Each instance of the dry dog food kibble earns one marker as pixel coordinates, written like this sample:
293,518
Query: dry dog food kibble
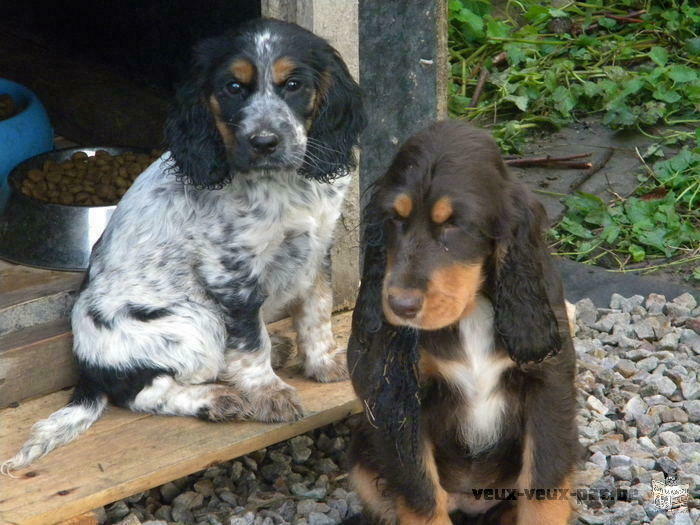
86,181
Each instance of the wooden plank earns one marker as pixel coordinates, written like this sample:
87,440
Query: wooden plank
89,518
103,466
21,284
27,355
442,60
125,453
31,296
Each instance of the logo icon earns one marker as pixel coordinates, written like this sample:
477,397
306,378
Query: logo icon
670,495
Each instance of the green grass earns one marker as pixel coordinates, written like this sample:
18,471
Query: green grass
564,63
631,74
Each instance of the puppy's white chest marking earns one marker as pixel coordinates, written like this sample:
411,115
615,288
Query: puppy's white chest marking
477,376
287,225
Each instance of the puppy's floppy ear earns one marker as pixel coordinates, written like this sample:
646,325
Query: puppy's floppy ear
383,360
190,130
337,121
524,319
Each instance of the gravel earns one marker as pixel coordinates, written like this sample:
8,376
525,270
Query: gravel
639,421
648,379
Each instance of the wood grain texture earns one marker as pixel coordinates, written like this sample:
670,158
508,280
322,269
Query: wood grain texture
442,63
125,453
20,284
36,361
89,518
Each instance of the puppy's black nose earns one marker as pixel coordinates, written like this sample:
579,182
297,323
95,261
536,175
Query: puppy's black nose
264,144
406,305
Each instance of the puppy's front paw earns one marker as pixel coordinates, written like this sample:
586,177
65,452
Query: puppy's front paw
275,404
225,405
332,367
283,350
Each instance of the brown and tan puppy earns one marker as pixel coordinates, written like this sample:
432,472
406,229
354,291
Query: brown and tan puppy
460,349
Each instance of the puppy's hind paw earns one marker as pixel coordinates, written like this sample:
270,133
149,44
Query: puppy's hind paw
333,367
275,405
225,405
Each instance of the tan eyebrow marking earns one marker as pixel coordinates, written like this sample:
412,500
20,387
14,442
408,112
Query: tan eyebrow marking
403,205
282,68
442,210
243,70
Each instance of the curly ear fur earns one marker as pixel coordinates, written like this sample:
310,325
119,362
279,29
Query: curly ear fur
524,319
190,130
383,361
338,122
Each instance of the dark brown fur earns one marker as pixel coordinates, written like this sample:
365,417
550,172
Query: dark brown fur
465,212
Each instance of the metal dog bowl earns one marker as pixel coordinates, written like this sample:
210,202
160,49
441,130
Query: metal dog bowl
48,235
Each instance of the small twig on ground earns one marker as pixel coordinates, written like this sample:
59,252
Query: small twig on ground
584,176
638,268
625,19
551,193
570,165
549,161
629,18
650,171
612,191
630,14
483,75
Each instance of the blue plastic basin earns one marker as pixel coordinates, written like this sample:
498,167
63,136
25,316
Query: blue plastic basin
26,134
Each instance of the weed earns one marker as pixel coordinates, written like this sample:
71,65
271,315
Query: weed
561,63
662,219
633,63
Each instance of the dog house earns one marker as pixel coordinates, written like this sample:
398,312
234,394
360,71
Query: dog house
105,75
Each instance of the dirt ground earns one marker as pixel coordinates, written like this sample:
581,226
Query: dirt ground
618,177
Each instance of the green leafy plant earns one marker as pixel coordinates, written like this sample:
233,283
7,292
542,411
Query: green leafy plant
632,63
548,66
662,220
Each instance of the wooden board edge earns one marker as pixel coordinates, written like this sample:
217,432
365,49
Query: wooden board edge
88,518
235,450
34,335
38,292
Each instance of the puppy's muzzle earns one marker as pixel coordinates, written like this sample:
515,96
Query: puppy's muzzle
405,303
264,142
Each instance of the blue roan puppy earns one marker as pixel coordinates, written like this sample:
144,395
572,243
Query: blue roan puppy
231,226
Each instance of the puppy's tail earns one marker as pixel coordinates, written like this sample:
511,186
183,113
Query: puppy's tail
59,428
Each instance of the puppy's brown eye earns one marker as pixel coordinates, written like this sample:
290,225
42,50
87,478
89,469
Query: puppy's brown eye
234,88
292,85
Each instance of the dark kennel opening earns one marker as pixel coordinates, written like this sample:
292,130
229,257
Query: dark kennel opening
105,70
